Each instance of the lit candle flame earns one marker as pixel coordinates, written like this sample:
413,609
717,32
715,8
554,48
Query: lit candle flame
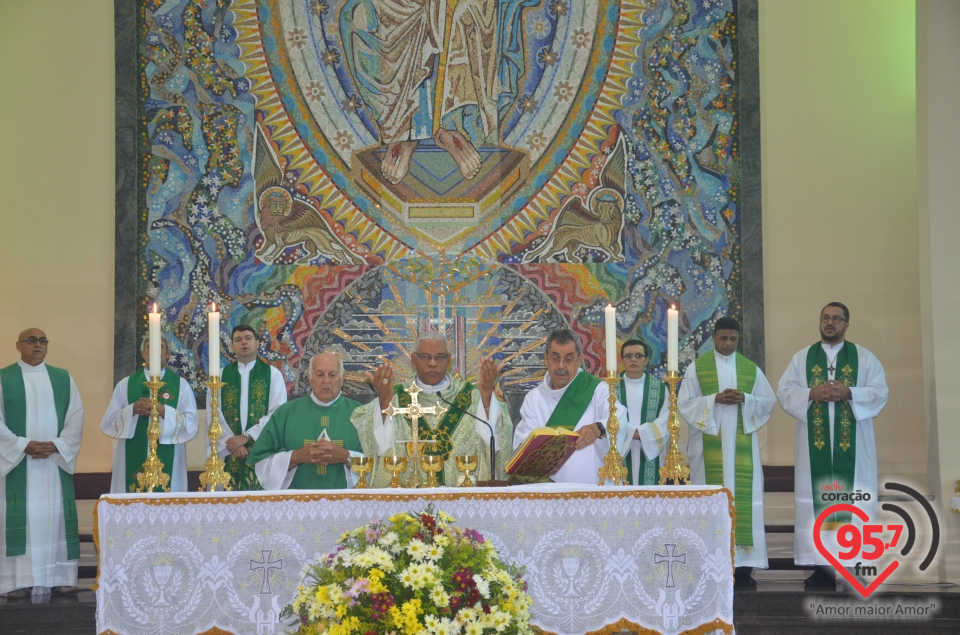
155,308
213,307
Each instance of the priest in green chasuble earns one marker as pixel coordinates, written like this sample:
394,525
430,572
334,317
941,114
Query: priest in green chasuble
570,398
41,422
644,435
834,389
725,399
458,430
307,443
254,390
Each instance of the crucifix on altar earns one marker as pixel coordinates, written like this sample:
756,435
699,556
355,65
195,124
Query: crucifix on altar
414,411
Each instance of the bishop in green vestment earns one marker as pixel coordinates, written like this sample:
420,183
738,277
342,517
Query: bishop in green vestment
308,442
458,429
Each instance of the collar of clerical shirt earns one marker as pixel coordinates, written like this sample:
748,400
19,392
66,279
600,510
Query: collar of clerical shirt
548,383
443,385
245,367
324,403
726,359
27,368
634,383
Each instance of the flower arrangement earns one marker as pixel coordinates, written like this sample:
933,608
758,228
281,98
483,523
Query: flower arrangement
415,575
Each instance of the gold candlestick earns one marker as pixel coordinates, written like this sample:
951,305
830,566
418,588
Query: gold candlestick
674,471
214,476
152,476
613,468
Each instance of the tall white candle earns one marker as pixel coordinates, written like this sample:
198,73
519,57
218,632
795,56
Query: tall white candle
610,317
154,342
214,340
673,340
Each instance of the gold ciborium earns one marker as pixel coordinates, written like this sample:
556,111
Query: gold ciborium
361,465
396,465
467,463
432,464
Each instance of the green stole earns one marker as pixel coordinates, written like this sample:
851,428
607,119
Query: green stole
15,412
574,401
300,422
243,476
838,465
706,366
650,403
138,446
445,427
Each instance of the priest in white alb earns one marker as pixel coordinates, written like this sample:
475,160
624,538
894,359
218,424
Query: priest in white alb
644,435
41,422
128,416
725,399
571,398
466,414
834,388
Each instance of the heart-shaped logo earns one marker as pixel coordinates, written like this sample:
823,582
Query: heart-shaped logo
862,515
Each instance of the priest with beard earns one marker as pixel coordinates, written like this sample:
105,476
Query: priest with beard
458,430
573,399
307,443
41,422
834,389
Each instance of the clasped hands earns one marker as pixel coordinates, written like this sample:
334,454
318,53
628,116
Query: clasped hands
830,391
141,408
236,445
40,449
322,452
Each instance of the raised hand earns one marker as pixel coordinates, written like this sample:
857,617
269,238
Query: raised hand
489,371
382,382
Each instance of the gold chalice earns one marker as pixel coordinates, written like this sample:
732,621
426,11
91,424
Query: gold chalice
396,465
467,463
361,465
432,464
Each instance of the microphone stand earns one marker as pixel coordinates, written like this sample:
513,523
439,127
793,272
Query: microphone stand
493,438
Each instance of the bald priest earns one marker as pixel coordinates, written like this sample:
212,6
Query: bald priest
307,443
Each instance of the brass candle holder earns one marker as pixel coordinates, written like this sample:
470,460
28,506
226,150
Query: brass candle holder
432,465
466,464
396,465
613,468
214,475
415,452
674,471
361,465
152,476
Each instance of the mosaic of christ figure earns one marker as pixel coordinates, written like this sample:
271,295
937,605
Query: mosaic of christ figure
446,70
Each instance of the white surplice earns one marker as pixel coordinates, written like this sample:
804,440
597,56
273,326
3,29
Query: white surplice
654,435
704,416
177,426
275,472
536,410
45,563
276,398
867,400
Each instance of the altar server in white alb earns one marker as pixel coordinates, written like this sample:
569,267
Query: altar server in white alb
128,416
725,399
41,422
834,388
570,398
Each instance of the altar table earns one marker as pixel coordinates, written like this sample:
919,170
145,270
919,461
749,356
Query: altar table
598,559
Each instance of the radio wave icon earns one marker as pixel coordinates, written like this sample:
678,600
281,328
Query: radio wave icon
911,527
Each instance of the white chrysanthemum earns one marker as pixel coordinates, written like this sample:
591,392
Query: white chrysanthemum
389,538
431,622
439,596
417,549
442,540
434,552
482,585
407,576
472,628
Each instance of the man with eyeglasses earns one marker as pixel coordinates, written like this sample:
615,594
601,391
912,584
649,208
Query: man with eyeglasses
459,430
128,416
644,432
725,399
568,397
41,422
834,388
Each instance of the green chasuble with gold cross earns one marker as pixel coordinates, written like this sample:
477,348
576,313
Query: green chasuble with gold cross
301,422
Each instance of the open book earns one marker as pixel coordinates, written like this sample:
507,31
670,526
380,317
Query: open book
543,453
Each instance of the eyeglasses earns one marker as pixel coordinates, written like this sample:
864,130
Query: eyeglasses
33,341
836,319
634,356
427,357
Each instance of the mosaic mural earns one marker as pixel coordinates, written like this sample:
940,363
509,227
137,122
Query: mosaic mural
346,173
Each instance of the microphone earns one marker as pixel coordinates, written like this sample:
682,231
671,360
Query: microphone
493,437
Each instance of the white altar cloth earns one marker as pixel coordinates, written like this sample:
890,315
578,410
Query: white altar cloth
596,558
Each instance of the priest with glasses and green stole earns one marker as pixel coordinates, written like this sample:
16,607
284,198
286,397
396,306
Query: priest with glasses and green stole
254,390
644,434
307,443
459,429
725,399
834,389
571,398
128,416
